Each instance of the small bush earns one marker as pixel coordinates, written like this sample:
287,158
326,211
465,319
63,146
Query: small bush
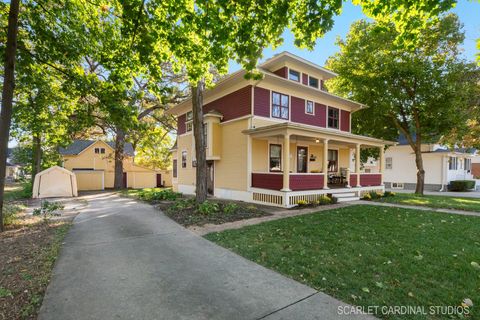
230,208
302,203
182,204
48,209
153,194
367,196
208,208
9,213
462,185
388,194
325,200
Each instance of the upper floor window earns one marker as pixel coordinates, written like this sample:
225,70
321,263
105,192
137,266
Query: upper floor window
452,163
184,159
388,163
333,117
100,150
313,82
294,75
280,105
188,121
310,107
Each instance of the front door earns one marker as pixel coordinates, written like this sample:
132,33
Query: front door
210,176
302,158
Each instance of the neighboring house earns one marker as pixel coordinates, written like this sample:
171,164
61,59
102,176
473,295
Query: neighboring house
93,164
441,166
13,172
257,128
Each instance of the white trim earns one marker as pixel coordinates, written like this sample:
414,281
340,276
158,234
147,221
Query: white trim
281,157
237,119
306,103
233,194
186,189
289,106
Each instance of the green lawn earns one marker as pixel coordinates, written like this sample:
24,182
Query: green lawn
370,255
446,202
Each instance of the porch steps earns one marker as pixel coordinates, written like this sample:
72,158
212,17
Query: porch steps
345,197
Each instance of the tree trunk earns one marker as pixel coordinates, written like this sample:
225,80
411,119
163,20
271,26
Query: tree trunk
7,95
198,132
420,172
119,149
37,155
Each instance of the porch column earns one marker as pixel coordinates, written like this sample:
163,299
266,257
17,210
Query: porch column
382,164
325,164
286,162
357,163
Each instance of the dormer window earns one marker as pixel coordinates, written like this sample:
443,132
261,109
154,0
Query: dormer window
294,75
313,82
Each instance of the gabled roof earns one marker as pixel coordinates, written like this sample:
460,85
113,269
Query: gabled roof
77,146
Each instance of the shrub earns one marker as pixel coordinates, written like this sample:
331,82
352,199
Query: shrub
302,203
367,196
9,213
48,209
208,208
325,200
230,208
388,194
462,185
153,194
182,204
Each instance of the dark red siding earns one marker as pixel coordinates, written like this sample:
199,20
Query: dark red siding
281,72
305,79
345,120
261,102
233,105
370,179
299,115
306,182
353,180
181,124
267,181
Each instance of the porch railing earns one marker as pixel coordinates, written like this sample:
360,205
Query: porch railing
298,181
366,179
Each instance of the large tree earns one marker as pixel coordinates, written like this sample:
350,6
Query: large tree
201,36
421,93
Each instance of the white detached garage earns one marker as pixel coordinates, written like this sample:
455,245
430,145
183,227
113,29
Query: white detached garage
54,182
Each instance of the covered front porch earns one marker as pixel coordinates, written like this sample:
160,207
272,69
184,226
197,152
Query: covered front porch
298,162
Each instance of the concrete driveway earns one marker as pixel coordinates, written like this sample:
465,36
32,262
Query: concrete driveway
122,259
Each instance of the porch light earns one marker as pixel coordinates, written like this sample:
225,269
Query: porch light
317,140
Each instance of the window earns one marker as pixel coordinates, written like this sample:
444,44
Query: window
310,107
188,121
97,150
468,164
452,163
294,75
175,168
313,82
333,116
100,150
184,159
332,160
397,185
279,105
388,163
275,157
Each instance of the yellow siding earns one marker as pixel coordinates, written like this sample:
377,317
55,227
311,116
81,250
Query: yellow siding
231,170
140,180
89,180
259,155
317,151
343,158
186,176
109,179
216,140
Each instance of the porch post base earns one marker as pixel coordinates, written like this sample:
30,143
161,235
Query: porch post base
285,190
359,186
326,188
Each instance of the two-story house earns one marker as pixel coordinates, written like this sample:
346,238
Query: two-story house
277,140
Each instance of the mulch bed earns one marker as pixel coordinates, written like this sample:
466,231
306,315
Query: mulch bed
191,217
28,250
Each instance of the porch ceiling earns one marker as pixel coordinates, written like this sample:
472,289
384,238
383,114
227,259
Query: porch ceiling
311,133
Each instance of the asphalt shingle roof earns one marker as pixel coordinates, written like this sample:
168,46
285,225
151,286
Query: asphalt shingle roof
78,146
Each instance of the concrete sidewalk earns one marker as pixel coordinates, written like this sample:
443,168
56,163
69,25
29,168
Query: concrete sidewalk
123,259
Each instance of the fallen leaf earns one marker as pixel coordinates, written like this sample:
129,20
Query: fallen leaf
365,289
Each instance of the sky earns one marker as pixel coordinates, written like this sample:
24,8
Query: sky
467,10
